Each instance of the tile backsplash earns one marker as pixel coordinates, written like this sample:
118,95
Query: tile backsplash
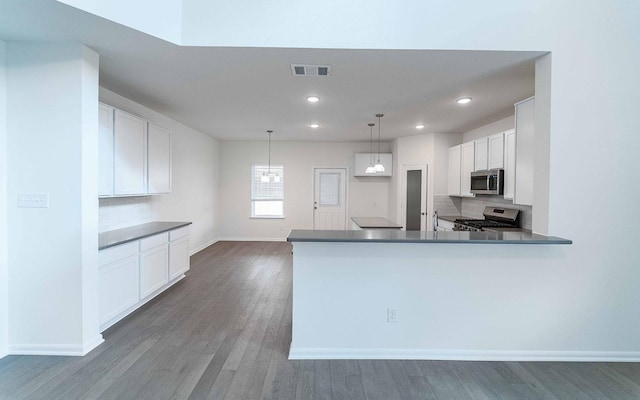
120,212
446,205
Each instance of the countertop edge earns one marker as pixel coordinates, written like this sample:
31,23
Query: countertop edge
142,236
559,241
400,237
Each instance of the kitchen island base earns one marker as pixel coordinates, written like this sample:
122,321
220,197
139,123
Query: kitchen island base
449,301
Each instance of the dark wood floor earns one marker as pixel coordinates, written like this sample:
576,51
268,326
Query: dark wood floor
224,333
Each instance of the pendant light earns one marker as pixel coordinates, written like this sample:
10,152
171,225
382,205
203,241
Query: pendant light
266,176
371,169
379,167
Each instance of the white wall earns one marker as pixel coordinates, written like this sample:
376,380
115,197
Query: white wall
368,196
442,142
194,191
541,171
4,284
52,95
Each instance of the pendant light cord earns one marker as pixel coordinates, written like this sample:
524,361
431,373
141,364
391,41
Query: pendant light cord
371,157
269,132
379,116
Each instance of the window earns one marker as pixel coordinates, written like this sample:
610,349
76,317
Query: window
267,191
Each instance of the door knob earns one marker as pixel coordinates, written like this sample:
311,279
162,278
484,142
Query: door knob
315,208
423,213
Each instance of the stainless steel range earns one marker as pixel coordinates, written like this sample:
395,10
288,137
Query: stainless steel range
495,219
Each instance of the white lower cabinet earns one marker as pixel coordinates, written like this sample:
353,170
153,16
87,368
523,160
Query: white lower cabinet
119,280
445,225
178,252
133,273
154,263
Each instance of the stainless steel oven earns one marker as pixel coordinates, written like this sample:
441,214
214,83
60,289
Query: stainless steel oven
490,181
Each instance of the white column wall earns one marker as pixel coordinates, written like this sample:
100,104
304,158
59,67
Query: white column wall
4,284
52,95
195,165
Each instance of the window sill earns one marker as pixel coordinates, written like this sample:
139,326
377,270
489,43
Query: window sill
267,217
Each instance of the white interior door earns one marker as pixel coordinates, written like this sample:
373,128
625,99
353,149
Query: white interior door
329,198
413,203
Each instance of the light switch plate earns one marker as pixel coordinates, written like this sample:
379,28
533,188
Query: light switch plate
33,200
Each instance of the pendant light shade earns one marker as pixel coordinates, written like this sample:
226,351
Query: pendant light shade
371,169
379,167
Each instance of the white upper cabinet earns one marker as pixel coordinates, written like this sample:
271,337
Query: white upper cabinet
105,156
461,165
159,160
454,171
495,151
509,164
134,155
130,154
467,163
525,133
481,154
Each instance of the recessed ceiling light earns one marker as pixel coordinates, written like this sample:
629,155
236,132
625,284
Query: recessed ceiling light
419,126
314,126
313,99
464,100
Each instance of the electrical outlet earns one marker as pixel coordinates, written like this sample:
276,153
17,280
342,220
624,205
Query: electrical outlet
392,315
33,200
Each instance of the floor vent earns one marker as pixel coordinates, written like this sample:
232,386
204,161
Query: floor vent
310,70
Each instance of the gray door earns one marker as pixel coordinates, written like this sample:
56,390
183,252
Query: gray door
413,201
413,215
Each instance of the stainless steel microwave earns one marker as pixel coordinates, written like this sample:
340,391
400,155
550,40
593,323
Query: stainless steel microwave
490,181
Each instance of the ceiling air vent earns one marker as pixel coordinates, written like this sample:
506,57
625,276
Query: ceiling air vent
310,70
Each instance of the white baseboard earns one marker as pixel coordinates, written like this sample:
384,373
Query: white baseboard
204,246
461,355
56,349
249,239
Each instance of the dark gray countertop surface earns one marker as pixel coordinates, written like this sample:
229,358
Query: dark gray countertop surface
120,236
398,236
375,222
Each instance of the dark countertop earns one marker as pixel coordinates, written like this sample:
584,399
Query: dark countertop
398,236
120,236
375,222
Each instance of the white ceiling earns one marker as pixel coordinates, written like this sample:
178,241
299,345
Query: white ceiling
239,93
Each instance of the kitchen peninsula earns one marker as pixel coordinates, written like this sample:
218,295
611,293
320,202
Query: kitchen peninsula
389,294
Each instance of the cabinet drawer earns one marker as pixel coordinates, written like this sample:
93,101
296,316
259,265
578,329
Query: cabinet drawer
153,241
179,233
107,256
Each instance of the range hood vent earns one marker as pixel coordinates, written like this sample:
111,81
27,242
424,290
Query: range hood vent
310,70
